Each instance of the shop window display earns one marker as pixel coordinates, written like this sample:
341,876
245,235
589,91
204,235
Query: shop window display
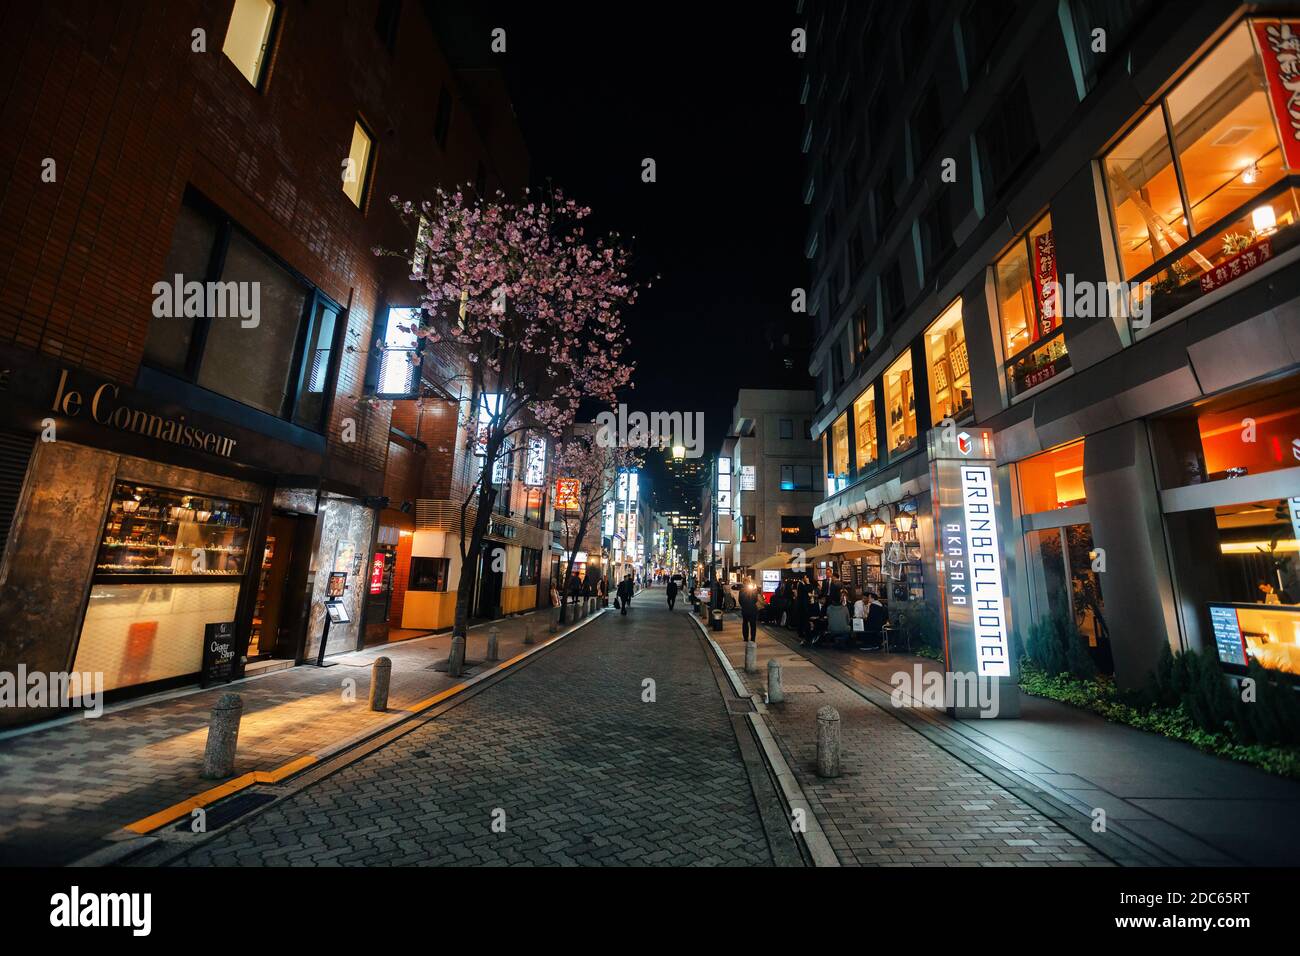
900,406
1032,339
945,353
155,531
840,451
1062,582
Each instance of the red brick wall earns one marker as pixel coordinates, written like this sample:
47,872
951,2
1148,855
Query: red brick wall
113,93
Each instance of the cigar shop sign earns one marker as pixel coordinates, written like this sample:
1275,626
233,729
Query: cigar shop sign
969,559
104,403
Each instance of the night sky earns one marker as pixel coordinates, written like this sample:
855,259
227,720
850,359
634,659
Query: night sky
712,96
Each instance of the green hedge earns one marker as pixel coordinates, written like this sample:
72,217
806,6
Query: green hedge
1182,702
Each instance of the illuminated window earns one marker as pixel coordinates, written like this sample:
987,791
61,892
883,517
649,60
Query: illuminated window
356,171
945,353
840,449
1030,314
248,37
900,406
864,429
398,361
1053,479
1183,183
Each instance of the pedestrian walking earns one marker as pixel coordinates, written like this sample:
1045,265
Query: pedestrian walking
749,600
625,590
672,594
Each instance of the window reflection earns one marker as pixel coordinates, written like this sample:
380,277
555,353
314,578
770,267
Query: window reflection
900,406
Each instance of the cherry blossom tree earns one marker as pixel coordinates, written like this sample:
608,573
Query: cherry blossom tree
535,308
595,466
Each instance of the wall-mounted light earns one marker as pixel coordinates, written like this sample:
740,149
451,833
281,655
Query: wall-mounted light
1250,174
880,525
906,516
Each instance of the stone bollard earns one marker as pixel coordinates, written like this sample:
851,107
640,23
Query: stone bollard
223,735
555,620
751,657
380,672
828,742
775,691
456,656
528,632
492,652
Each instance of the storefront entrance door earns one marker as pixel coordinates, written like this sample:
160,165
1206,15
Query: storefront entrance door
491,577
279,604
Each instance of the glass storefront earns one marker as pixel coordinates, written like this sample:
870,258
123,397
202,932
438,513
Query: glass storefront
169,564
840,453
864,428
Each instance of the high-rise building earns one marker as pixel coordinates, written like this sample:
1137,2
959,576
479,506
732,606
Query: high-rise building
1071,225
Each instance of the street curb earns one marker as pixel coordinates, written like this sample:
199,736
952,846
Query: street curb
126,842
814,839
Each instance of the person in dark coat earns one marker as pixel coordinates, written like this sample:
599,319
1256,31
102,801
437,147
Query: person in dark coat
749,600
803,596
625,590
672,594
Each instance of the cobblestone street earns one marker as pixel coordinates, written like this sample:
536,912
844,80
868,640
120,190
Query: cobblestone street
564,755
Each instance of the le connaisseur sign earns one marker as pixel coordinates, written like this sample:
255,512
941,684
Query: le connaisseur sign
104,404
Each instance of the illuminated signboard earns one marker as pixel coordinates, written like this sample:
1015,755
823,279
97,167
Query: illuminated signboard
535,469
489,405
568,491
377,575
968,558
501,467
748,479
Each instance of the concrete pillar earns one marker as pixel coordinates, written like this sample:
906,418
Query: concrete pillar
223,736
493,652
751,657
1137,586
775,690
380,672
828,742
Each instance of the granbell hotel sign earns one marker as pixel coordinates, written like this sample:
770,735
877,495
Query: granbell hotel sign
969,559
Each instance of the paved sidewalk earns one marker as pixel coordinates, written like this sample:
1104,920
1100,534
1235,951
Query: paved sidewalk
901,799
65,786
565,755
1187,807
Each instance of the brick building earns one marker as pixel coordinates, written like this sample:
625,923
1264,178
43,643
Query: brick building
209,451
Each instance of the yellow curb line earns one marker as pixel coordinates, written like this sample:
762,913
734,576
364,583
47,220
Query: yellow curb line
176,811
244,781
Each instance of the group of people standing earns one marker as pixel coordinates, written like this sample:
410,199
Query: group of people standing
817,609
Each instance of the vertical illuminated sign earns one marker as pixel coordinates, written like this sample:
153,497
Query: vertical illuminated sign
535,469
969,559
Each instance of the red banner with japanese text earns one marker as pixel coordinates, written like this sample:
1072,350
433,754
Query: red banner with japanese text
1279,49
1045,286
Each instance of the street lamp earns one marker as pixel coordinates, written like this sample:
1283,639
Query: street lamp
906,516
878,524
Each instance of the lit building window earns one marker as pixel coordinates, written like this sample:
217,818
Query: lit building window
840,449
864,429
900,406
1199,181
1053,479
399,359
945,352
1029,309
248,37
356,170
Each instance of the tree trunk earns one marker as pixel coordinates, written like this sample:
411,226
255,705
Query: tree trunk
468,572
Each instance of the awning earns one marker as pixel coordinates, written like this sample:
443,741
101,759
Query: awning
839,547
774,562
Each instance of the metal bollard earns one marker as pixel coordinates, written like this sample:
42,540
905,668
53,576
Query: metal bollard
775,690
828,742
528,632
492,653
751,657
380,672
223,736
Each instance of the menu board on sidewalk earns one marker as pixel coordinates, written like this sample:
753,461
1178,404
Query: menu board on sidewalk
218,654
